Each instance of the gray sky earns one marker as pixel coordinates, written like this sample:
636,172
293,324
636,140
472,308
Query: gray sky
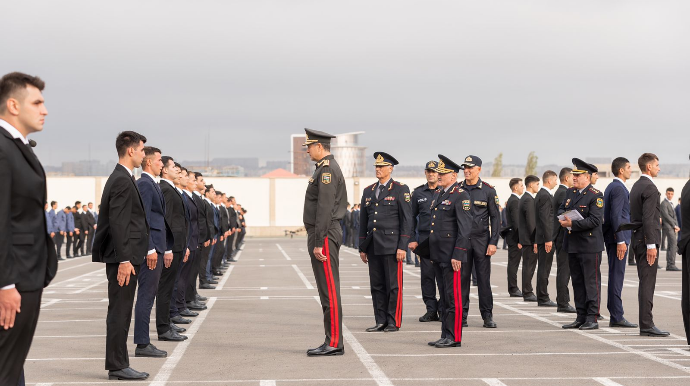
564,78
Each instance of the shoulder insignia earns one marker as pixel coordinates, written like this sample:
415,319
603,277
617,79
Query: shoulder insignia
370,186
460,190
399,183
600,202
496,198
488,184
326,162
326,178
594,190
407,197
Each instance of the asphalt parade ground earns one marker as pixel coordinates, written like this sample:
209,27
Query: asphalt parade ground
265,314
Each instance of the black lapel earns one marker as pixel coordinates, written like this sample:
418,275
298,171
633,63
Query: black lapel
30,156
385,192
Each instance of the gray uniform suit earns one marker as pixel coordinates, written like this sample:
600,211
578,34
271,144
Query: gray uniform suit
668,225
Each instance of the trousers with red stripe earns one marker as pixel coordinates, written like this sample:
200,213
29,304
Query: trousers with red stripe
327,275
450,304
385,279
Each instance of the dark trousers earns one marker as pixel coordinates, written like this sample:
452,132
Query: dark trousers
514,257
218,253
120,302
185,275
450,288
327,275
583,269
645,291
68,245
58,240
194,273
545,261
16,342
166,284
229,246
529,265
477,259
685,295
356,239
89,240
562,274
631,255
672,244
240,237
203,261
79,243
385,278
148,289
614,302
428,282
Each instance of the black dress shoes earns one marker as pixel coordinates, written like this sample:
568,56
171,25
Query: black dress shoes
390,328
489,322
590,326
201,298
530,298
376,328
567,309
464,323
432,344
150,351
214,281
180,320
327,350
171,336
311,350
631,263
653,332
547,304
575,324
599,317
206,286
196,306
429,317
517,294
445,343
673,268
176,328
218,273
659,267
128,374
188,313
61,258
622,323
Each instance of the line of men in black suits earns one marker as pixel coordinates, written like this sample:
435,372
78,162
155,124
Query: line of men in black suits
159,235
350,226
73,226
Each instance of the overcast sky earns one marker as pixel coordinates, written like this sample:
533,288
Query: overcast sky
563,78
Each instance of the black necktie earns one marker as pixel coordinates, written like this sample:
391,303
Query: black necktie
134,179
378,192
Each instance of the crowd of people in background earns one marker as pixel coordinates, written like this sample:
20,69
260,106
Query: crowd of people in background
72,226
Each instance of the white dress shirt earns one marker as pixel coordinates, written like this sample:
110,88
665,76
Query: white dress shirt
13,131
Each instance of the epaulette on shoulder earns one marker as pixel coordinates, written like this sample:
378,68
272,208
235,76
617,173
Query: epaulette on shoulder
420,186
325,162
399,183
371,186
488,184
591,188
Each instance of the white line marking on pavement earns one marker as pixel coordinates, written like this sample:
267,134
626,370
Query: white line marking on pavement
301,276
91,286
225,279
493,382
78,277
374,370
267,383
51,302
171,362
44,384
75,266
510,354
680,351
283,252
607,382
350,252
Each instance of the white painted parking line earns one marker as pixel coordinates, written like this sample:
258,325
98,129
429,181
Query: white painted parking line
267,383
507,354
680,351
225,278
607,382
302,277
91,286
283,252
493,382
48,303
52,285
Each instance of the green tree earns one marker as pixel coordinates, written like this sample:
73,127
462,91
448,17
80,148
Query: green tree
531,167
498,166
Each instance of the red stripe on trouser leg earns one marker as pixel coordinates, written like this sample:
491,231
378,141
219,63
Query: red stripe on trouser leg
457,294
398,308
326,272
335,317
596,280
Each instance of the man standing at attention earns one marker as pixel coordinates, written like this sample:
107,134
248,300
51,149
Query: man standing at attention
324,206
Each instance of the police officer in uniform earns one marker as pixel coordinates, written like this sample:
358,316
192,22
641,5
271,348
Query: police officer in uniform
387,214
484,237
324,206
421,222
584,242
448,244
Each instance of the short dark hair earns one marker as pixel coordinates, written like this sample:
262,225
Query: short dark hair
68,207
667,189
564,173
645,159
210,186
53,203
531,179
127,139
219,193
618,164
150,150
197,175
513,182
326,146
77,203
14,83
231,198
184,169
548,174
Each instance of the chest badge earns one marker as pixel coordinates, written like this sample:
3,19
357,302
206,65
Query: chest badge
466,204
407,197
326,178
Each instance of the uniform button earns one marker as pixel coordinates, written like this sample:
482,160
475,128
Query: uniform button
432,223
376,212
432,231
374,220
377,204
374,229
435,208
434,216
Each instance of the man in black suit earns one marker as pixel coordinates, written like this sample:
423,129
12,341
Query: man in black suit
176,217
121,243
545,236
28,259
527,228
512,211
645,214
79,230
197,187
684,250
90,225
232,221
562,266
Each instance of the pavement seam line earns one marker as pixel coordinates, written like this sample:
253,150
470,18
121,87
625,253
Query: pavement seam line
606,382
493,382
171,362
301,276
283,252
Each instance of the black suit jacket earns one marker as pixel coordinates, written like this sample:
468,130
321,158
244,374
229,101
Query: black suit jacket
645,208
89,220
123,232
543,205
513,220
527,221
210,223
175,216
79,222
204,234
558,230
27,255
684,236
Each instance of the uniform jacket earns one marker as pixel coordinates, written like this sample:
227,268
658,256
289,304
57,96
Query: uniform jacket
616,212
485,213
587,235
421,211
684,234
78,222
53,220
451,225
89,219
193,216
543,206
513,220
61,221
325,201
668,215
27,255
645,210
388,219
123,231
527,220
679,218
175,215
204,233
160,236
50,223
558,230
70,221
